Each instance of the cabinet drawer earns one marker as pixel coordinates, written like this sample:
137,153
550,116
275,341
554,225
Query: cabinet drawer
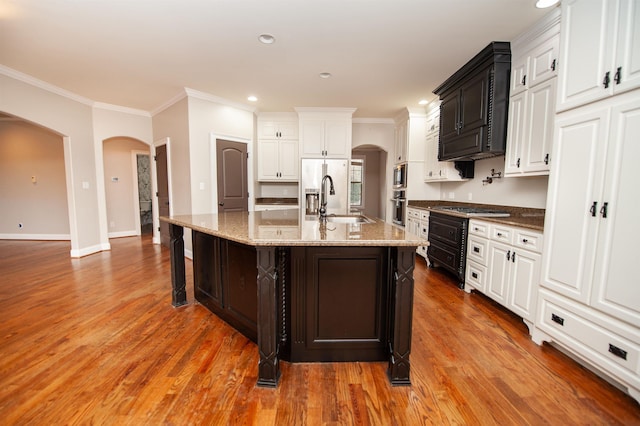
600,343
446,255
476,276
413,213
424,229
502,234
480,229
477,249
424,215
528,240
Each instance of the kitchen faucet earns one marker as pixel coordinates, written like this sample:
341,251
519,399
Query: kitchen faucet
323,196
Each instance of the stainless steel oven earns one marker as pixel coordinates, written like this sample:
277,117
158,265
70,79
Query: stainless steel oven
400,176
399,206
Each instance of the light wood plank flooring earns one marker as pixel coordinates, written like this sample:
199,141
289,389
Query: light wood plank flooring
96,341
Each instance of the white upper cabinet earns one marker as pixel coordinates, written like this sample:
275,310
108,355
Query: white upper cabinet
410,134
600,54
278,158
325,133
533,99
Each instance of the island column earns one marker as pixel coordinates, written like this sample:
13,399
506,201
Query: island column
402,315
268,366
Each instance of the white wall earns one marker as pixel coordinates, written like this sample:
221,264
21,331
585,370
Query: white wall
28,151
519,192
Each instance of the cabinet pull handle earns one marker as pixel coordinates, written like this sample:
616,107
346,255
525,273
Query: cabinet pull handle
518,163
476,249
513,257
620,353
509,255
546,159
618,76
553,65
525,241
606,80
474,275
557,319
593,209
603,210
524,80
499,234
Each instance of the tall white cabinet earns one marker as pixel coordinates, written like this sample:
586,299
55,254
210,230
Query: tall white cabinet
278,159
434,170
532,100
589,302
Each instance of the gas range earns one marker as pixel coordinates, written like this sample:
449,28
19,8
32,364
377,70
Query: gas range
473,211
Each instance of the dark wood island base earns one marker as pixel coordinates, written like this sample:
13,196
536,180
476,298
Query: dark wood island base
305,303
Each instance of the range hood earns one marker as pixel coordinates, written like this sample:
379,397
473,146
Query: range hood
474,107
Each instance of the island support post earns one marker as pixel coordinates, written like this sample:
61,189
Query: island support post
178,276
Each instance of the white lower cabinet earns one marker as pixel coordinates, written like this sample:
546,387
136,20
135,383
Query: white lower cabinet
417,223
504,263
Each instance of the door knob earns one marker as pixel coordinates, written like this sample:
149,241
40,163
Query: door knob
221,204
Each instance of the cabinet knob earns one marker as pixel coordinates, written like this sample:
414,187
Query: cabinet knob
524,240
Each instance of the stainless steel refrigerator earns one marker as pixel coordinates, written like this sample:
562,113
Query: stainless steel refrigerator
311,173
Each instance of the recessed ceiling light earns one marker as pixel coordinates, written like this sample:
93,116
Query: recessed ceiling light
266,38
325,74
541,4
423,102
252,98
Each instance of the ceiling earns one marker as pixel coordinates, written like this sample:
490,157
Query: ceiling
383,54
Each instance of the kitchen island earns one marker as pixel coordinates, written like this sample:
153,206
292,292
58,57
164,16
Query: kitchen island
303,290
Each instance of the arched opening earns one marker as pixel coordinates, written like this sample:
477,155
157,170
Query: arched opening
128,187
33,183
369,165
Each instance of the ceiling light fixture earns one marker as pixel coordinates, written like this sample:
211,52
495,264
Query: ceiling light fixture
252,98
541,4
266,39
325,74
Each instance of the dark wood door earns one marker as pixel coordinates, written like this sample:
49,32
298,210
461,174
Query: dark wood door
232,176
163,191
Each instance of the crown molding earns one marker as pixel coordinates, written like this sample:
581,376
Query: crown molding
123,109
359,120
218,100
25,78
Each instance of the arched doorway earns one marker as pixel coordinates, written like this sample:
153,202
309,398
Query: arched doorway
371,162
127,182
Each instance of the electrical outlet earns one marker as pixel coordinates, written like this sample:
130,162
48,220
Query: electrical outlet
469,196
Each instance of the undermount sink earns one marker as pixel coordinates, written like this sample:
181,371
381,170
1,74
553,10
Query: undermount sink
348,219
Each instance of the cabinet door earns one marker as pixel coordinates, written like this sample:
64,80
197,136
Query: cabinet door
543,62
519,71
575,184
498,265
538,137
473,102
288,130
312,138
337,135
515,133
431,170
616,288
268,167
524,280
628,51
449,116
288,160
586,51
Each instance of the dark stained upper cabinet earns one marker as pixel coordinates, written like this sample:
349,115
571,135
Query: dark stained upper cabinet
473,111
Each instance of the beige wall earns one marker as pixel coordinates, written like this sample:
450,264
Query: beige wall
27,150
120,181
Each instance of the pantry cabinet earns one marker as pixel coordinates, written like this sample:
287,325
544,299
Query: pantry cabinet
533,99
599,52
591,303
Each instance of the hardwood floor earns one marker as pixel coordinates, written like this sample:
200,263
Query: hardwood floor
96,341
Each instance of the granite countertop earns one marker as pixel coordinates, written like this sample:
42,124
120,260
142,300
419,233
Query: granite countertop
291,228
520,216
